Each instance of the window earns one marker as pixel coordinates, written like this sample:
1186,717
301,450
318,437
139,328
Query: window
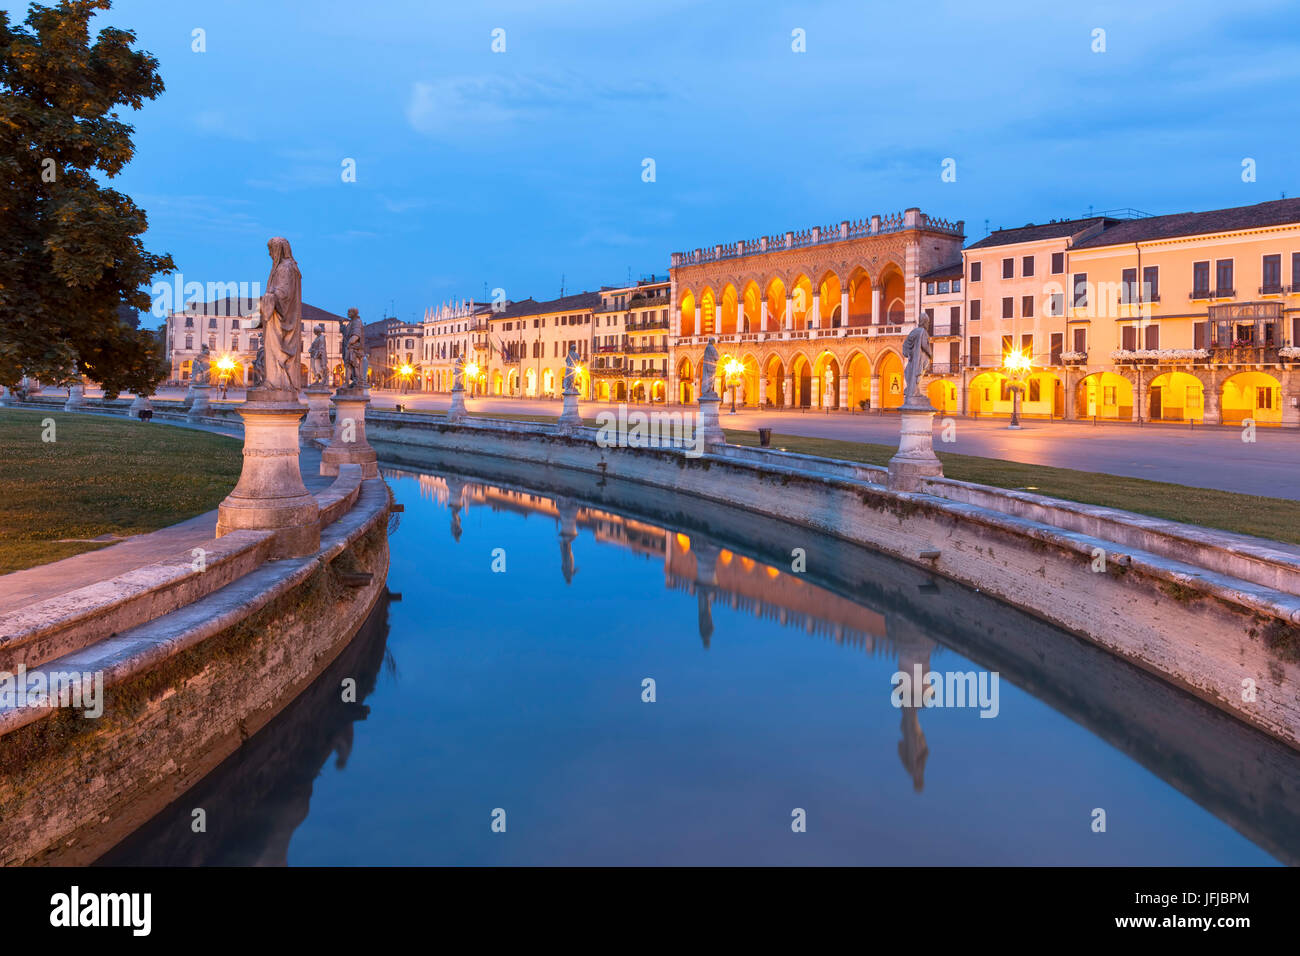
1263,397
929,288
1108,395
1008,268
1027,343
974,272
1152,337
1272,274
1201,280
975,350
1058,263
212,323
1151,284
189,320
1056,304
954,319
234,323
956,285
1008,346
1080,290
943,288
1027,306
1008,306
1027,266
974,310
189,341
1129,336
1081,340
1057,346
1128,287
1035,390
1295,274
1223,278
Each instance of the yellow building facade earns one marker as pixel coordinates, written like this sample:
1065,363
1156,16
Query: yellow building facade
816,318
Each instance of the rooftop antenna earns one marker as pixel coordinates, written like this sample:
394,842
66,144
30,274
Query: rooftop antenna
1089,209
986,227
561,285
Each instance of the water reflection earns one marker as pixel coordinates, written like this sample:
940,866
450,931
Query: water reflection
514,701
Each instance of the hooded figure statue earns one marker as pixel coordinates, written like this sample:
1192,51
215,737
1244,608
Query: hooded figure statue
280,315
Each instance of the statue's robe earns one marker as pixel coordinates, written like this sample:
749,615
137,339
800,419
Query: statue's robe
281,310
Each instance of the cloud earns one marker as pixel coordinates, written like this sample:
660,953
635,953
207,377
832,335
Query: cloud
486,103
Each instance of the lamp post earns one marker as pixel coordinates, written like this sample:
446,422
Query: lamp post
1016,366
225,365
405,371
471,375
734,369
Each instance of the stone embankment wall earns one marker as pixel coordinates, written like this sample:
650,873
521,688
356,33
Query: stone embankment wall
192,667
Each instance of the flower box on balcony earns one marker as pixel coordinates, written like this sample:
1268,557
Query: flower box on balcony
1074,358
1154,356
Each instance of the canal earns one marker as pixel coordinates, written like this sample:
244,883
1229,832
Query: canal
502,711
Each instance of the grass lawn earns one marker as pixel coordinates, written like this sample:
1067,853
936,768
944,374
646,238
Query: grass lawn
1274,518
101,476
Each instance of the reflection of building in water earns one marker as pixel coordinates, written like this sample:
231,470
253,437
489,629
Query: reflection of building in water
717,575
744,584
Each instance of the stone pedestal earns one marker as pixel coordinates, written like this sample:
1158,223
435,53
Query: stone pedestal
915,459
569,419
189,396
708,421
316,426
270,495
348,445
201,405
141,404
457,411
76,398
6,396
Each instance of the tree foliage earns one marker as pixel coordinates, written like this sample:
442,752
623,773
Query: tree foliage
70,247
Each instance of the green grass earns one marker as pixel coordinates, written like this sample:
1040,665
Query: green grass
1275,518
101,476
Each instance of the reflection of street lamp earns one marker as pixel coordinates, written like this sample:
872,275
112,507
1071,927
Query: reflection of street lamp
733,370
1017,366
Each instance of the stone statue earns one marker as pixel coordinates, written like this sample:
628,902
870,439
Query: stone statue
258,375
709,370
319,360
916,357
458,374
355,363
201,370
570,370
280,315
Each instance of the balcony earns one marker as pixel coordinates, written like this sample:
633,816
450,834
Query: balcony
646,349
653,325
1274,289
947,331
946,368
1200,294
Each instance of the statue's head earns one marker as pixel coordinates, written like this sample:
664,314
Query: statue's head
320,326
353,314
278,246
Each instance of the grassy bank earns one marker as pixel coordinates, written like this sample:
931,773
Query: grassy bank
101,476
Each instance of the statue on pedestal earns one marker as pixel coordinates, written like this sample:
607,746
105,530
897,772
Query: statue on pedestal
570,370
280,315
917,355
258,375
709,370
355,363
458,374
319,360
201,369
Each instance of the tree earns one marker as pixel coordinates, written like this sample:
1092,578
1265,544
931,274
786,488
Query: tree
70,248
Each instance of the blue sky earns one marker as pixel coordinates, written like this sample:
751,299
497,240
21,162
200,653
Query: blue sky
516,169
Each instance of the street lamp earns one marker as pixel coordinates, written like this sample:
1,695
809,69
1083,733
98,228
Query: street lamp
1017,365
733,370
405,371
225,365
471,372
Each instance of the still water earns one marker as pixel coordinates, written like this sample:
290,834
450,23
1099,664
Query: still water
521,689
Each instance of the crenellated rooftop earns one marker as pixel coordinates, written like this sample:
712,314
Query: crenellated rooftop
911,218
